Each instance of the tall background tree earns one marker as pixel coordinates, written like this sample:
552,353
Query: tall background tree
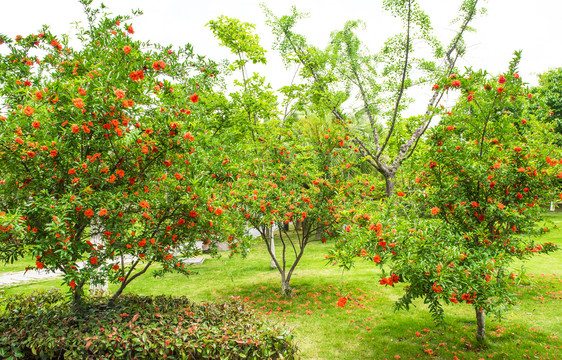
346,76
549,93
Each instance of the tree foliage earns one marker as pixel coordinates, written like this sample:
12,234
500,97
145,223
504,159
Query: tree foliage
106,138
346,76
489,168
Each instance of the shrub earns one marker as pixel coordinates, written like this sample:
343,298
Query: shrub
41,326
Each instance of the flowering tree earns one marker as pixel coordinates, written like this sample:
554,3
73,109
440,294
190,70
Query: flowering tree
489,168
294,182
106,139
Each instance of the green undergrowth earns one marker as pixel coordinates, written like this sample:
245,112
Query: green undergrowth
43,326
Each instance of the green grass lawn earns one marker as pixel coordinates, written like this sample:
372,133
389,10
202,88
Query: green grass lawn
19,265
367,327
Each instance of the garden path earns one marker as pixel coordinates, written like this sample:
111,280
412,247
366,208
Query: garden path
20,277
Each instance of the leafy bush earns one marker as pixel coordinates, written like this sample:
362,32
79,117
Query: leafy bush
42,326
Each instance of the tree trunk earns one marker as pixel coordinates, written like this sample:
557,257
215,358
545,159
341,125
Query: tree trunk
272,244
97,288
480,325
319,232
77,303
389,182
286,289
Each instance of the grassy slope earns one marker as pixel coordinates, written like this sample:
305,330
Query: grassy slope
367,327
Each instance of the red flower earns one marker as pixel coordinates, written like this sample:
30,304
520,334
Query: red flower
94,260
437,288
456,83
144,204
53,153
377,259
28,110
501,79
119,93
435,210
523,121
218,211
79,103
157,65
137,75
130,29
500,90
517,149
72,284
127,49
178,176
115,267
470,98
103,212
39,264
516,75
89,212
435,87
38,95
401,194
56,44
194,98
188,136
193,213
36,124
342,301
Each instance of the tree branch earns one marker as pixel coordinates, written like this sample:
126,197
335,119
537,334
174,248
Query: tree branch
401,91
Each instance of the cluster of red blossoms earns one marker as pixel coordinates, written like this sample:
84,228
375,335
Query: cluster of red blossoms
137,75
342,301
464,297
391,280
158,65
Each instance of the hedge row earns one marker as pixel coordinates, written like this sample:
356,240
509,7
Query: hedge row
42,326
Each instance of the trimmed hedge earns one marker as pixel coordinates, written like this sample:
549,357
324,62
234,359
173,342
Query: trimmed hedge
42,326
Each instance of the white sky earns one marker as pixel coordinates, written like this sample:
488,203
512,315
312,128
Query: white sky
533,26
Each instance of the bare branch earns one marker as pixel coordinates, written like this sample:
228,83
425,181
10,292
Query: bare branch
401,92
